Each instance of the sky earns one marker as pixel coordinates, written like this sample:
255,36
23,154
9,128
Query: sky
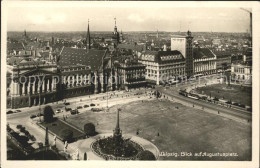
128,19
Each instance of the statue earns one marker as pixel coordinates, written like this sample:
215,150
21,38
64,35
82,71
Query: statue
54,140
65,146
77,154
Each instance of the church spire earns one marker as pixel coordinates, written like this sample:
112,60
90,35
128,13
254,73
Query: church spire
115,29
88,38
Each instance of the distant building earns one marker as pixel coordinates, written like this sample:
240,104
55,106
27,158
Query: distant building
223,60
130,49
204,61
241,68
15,48
242,72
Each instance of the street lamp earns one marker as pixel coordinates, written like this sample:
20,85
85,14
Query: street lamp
107,97
39,104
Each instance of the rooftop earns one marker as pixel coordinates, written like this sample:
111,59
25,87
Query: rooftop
74,56
202,53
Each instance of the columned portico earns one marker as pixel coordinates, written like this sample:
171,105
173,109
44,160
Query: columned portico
96,83
102,82
48,85
116,79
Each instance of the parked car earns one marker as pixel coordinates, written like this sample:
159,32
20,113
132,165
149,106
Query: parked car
32,116
72,112
9,112
96,109
92,104
85,106
66,103
79,107
68,109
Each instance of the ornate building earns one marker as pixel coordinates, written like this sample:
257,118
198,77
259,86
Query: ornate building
163,65
31,83
131,74
241,68
204,61
72,72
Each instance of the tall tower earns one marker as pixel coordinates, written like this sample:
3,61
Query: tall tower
25,33
115,36
88,39
157,34
52,40
189,55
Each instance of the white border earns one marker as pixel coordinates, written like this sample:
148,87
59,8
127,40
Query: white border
137,4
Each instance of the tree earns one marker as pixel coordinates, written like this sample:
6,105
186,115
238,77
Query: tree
66,135
89,129
146,155
48,114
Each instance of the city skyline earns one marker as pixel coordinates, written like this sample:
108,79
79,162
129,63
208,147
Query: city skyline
134,19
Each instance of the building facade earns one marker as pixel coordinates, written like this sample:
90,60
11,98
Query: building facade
241,72
31,83
131,74
204,61
241,68
184,45
163,65
34,80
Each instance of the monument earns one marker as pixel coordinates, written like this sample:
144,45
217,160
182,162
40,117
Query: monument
116,147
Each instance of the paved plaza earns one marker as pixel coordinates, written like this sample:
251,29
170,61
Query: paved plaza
173,127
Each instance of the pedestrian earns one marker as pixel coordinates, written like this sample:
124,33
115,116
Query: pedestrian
158,134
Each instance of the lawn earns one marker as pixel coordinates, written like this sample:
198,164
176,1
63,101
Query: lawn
239,94
180,130
57,125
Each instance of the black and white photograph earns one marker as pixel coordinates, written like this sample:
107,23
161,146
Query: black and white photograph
130,81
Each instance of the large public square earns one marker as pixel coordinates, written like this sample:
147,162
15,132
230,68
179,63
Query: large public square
175,128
